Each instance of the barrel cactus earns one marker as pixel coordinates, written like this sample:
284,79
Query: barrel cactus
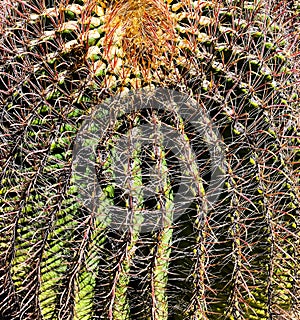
236,258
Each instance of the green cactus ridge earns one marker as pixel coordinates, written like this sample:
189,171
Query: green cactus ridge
237,258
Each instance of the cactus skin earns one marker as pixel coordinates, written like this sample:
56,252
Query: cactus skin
241,261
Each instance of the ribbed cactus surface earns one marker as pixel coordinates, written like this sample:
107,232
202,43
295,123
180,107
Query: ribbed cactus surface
236,258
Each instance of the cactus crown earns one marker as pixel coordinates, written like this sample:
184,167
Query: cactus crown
144,30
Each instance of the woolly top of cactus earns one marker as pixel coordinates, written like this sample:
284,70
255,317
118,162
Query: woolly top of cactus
143,29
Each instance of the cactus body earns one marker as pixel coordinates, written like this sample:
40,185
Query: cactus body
237,259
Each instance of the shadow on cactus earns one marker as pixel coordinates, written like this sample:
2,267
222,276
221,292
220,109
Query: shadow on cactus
235,259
